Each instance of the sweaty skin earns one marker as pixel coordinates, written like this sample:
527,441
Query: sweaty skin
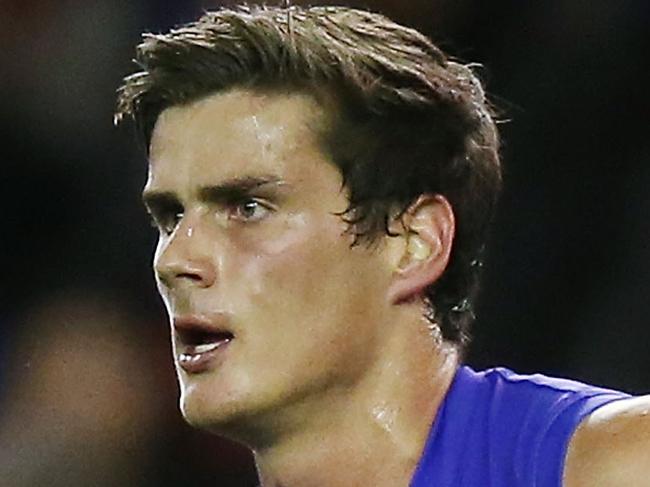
611,448
330,379
333,377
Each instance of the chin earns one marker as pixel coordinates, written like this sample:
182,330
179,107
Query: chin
228,417
202,412
243,418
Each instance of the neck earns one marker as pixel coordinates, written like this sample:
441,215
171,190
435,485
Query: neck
372,434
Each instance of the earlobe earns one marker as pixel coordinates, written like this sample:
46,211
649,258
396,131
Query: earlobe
429,228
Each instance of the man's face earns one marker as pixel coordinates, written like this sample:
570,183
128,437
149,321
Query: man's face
270,306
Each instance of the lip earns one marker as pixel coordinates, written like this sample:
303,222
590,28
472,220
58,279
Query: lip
194,362
201,341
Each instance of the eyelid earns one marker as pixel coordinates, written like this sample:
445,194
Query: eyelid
240,202
247,198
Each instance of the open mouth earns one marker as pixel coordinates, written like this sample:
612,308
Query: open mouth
203,341
199,347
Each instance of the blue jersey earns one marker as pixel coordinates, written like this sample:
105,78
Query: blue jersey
499,429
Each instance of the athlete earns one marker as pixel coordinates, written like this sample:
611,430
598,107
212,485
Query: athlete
322,180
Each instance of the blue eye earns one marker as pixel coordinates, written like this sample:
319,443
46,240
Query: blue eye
250,210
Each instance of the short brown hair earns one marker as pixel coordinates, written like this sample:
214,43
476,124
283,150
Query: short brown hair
409,120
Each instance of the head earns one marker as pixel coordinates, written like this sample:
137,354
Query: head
363,123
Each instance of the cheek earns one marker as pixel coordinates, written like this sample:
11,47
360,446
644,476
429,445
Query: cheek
307,303
276,264
306,283
283,267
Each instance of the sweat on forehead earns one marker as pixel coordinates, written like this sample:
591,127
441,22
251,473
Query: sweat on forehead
269,123
407,121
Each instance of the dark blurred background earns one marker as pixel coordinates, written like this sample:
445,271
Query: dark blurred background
87,391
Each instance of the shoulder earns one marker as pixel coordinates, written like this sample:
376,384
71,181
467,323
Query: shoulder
611,447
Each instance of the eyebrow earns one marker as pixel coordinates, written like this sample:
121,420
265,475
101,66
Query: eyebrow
226,191
237,188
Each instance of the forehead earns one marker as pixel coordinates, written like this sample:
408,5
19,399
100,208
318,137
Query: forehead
235,131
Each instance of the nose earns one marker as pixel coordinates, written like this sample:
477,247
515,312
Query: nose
184,259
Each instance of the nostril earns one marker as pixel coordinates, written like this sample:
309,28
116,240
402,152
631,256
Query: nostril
201,273
188,275
181,259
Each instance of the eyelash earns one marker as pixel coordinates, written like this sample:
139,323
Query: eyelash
166,221
236,205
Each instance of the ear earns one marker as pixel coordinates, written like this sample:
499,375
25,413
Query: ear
428,235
